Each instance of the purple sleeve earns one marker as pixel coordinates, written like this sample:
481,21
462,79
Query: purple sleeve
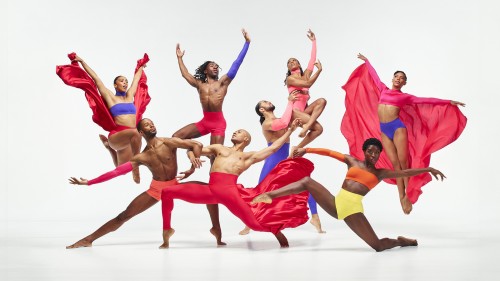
373,74
120,170
283,122
236,64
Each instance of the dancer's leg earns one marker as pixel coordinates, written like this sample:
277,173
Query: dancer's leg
360,225
187,132
314,110
111,151
313,207
392,154
141,203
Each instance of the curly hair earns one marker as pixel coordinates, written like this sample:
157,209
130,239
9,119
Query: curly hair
200,71
372,141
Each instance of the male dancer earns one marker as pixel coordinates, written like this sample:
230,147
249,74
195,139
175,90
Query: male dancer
160,157
273,128
212,92
229,163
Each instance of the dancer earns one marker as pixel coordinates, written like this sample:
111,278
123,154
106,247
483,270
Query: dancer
273,128
411,128
160,157
212,92
361,177
117,113
297,79
229,163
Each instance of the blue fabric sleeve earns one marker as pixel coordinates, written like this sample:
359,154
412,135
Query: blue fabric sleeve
236,64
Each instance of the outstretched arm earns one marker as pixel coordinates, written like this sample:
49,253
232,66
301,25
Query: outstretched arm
194,149
135,83
185,73
373,74
434,101
236,64
297,82
312,60
321,151
266,152
120,170
105,92
390,174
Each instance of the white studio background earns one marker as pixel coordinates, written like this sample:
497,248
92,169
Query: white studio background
447,48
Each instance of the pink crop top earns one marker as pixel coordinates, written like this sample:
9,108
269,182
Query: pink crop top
396,97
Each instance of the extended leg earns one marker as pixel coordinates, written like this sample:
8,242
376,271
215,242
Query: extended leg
360,225
141,203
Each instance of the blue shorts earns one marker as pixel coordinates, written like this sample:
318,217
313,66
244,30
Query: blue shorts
390,128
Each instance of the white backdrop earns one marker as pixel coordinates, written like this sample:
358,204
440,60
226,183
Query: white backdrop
449,49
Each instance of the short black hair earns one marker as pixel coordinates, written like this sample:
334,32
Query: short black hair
372,141
402,72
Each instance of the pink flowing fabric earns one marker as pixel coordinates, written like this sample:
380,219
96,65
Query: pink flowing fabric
284,212
430,127
75,76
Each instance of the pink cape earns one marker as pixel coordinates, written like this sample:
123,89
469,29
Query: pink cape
73,75
284,212
430,127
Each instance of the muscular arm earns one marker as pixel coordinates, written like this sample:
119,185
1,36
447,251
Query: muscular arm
185,73
266,152
226,79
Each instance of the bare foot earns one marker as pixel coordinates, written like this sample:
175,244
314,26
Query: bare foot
407,241
245,231
218,236
282,240
317,223
263,198
406,205
166,238
304,131
105,141
80,244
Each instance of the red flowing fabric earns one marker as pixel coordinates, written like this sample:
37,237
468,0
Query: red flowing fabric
284,212
430,127
75,76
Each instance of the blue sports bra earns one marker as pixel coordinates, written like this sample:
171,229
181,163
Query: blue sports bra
122,109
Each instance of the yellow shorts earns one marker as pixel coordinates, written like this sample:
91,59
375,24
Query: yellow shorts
156,187
348,203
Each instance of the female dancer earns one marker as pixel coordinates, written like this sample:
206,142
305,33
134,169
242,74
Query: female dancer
411,128
361,177
297,79
117,113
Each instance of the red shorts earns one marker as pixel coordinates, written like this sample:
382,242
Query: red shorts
213,123
157,186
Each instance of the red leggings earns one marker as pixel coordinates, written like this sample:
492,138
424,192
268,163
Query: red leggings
221,189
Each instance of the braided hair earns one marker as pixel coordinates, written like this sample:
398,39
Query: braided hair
200,72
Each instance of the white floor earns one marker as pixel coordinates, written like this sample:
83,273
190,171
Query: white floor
452,250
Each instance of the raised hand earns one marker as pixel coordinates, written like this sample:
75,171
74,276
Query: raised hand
80,181
361,57
456,103
178,51
311,35
318,65
245,35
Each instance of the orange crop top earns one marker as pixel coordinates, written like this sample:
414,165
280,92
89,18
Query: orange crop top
362,176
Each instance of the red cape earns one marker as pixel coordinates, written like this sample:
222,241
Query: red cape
73,75
284,212
430,127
